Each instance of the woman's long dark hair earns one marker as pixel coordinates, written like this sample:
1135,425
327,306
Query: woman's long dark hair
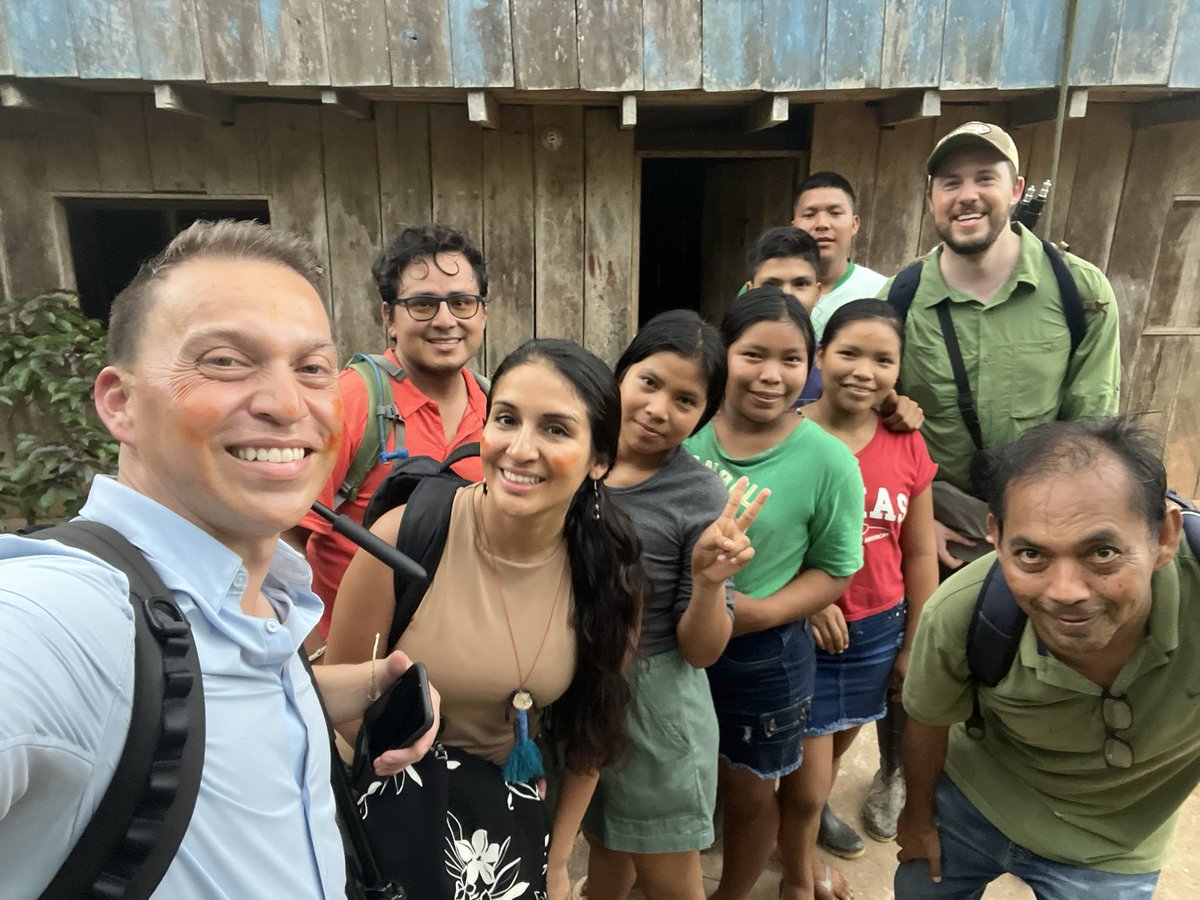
606,569
684,333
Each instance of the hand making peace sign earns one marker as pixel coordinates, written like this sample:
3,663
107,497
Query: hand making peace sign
724,549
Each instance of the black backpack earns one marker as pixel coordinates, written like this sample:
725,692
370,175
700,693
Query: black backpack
994,635
126,848
427,486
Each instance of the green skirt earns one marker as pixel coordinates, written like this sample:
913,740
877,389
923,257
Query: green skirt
659,797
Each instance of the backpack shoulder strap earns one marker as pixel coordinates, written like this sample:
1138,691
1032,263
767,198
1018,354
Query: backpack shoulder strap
1068,291
135,832
993,638
383,420
485,384
423,533
904,289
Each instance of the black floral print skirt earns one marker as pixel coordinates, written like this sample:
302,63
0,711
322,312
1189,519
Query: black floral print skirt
450,828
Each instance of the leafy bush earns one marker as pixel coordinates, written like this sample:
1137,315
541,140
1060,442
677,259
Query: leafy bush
48,363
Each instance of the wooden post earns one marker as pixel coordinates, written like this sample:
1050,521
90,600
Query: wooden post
197,102
910,107
767,112
482,109
351,103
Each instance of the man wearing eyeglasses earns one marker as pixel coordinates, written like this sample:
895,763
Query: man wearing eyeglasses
433,286
1091,740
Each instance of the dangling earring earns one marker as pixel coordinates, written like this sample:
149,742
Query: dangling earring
485,489
595,499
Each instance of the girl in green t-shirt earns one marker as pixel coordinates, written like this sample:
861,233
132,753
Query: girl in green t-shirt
808,542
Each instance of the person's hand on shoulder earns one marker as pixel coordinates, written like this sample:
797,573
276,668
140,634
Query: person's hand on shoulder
900,413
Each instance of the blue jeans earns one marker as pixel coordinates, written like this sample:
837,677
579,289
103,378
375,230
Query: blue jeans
975,852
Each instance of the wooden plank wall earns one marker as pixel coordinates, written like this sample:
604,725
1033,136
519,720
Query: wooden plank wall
606,45
555,217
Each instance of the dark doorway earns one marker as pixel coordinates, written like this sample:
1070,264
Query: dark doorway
699,217
110,238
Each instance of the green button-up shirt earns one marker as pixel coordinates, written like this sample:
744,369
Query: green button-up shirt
1017,353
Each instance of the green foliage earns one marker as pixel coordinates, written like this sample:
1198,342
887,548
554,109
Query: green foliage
48,362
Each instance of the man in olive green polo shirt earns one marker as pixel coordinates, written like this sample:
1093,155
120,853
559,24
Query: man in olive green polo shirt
1091,741
1008,317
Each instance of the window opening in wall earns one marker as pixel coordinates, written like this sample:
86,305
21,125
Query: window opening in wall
110,237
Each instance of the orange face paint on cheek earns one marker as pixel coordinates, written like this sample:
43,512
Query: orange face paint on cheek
566,462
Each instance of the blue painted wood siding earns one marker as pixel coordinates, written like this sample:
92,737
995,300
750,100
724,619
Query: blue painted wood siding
774,45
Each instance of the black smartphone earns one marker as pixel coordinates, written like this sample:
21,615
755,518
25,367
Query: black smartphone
401,715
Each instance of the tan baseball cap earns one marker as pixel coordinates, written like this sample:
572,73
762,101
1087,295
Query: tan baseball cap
974,134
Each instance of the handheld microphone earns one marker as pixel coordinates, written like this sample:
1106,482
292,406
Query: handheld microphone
381,550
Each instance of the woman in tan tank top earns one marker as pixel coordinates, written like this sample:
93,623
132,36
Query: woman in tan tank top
535,602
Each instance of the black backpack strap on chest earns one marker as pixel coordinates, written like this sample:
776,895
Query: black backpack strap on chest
964,398
423,533
1068,291
904,288
135,832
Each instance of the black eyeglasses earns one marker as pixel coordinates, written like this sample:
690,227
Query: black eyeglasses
424,307
1117,715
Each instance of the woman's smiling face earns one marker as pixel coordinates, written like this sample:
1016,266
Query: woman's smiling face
768,365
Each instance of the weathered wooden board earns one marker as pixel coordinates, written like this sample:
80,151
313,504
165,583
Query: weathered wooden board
41,43
853,44
1160,157
232,153
106,44
558,221
1174,300
1161,387
6,59
168,40
122,144
671,32
610,45
419,36
1097,28
294,37
295,179
733,42
897,208
1103,156
794,46
952,116
508,233
608,307
1147,42
405,183
456,164
231,36
352,214
176,150
971,43
481,43
912,43
846,140
1185,68
544,45
29,242
68,149
1037,169
356,36
1033,43
741,199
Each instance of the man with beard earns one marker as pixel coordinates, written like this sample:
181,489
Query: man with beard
432,283
1090,741
996,281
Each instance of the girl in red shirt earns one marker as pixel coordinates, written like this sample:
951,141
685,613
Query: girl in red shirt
863,640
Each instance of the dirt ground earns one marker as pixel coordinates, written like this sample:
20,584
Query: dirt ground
871,875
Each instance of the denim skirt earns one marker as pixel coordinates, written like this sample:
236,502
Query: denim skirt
852,687
762,688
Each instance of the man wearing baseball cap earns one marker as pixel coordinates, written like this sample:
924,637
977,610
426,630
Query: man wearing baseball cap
994,282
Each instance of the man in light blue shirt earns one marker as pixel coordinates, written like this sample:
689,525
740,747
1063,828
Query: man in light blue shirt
222,391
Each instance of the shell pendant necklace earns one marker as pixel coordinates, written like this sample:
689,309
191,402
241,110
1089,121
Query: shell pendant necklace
524,762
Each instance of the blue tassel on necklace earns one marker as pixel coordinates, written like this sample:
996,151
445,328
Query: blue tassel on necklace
524,762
